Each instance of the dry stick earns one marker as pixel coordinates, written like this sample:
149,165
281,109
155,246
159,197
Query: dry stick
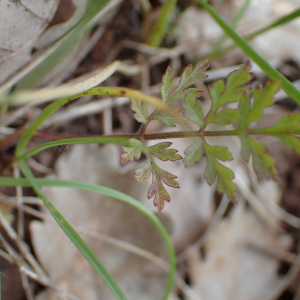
23,247
275,252
23,267
6,256
264,209
26,286
258,205
19,194
38,166
286,281
274,208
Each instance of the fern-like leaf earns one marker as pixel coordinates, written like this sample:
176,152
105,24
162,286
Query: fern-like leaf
260,159
193,110
226,92
161,152
262,98
176,116
215,169
193,153
141,110
131,153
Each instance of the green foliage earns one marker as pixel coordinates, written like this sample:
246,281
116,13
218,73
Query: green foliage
261,161
193,153
193,110
170,119
215,169
251,103
262,98
223,93
160,151
159,176
188,78
140,109
131,153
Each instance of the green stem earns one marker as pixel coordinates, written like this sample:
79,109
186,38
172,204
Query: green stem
123,140
286,85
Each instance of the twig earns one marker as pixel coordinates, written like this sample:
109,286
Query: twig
23,247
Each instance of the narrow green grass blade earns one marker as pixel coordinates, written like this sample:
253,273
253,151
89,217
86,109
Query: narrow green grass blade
160,26
35,124
7,181
114,91
286,85
73,235
285,19
71,141
281,21
62,47
236,18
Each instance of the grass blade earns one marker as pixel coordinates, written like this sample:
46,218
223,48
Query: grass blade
72,141
286,85
7,181
236,18
73,235
160,26
281,21
64,46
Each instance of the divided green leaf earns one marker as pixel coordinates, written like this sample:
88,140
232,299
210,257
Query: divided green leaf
159,176
167,83
193,153
131,153
176,116
215,169
225,117
193,110
291,141
230,91
260,160
190,76
262,98
143,172
222,92
157,190
160,151
289,124
141,110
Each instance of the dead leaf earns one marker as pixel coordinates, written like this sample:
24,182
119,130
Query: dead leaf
21,23
234,266
65,264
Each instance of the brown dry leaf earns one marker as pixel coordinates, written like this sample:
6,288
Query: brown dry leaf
234,268
65,264
21,23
